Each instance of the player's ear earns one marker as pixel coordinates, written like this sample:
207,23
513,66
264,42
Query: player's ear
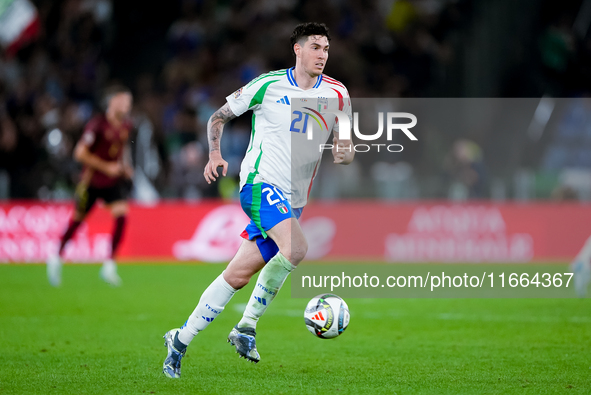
297,48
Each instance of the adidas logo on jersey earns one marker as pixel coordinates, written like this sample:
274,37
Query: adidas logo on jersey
283,100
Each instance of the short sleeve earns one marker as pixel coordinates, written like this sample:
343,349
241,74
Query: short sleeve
239,101
90,134
250,96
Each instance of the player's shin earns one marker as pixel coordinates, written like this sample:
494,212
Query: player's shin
72,226
118,228
268,284
212,303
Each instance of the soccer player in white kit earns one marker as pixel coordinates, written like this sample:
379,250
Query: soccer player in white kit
273,240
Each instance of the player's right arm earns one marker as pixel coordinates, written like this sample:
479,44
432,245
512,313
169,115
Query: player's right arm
249,97
83,154
215,128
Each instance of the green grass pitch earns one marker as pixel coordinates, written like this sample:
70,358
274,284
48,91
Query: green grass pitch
89,338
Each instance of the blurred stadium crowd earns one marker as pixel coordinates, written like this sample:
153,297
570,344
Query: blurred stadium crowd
181,59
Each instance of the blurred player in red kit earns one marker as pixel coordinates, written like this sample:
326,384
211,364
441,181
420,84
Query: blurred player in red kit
107,174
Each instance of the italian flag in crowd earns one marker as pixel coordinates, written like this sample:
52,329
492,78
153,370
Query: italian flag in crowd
19,24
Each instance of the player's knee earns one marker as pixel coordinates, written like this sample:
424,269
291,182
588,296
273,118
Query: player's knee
78,216
238,283
297,252
300,253
236,280
119,209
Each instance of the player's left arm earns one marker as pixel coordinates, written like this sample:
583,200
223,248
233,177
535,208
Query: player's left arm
342,150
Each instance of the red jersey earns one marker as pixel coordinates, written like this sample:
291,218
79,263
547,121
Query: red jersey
107,142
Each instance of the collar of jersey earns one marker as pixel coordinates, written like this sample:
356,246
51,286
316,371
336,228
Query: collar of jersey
293,82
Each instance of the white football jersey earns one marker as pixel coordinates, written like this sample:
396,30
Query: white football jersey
282,151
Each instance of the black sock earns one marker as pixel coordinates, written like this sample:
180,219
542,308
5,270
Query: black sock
117,234
72,226
178,344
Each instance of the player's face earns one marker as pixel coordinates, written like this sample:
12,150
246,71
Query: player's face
120,104
314,54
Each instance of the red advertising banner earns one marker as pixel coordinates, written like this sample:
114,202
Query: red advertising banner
352,230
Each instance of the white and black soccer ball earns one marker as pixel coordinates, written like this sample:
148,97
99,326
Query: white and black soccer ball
327,316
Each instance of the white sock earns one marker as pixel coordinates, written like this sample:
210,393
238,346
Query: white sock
268,284
109,263
212,303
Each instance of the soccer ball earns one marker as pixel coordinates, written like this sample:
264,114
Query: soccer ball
327,316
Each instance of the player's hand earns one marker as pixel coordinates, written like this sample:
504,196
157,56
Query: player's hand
338,150
211,169
113,169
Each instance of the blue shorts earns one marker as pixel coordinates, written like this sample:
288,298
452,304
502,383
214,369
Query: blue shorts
266,206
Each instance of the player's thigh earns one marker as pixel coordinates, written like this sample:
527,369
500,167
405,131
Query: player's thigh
245,264
115,198
290,239
85,198
273,216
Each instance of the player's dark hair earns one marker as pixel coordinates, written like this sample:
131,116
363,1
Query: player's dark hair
305,30
112,91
